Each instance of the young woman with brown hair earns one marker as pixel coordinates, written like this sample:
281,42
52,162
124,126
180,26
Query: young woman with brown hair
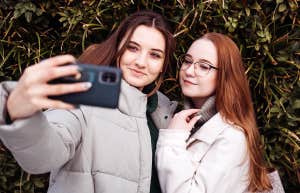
92,149
215,146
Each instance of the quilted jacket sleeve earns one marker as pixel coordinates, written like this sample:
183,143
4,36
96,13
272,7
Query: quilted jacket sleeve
43,141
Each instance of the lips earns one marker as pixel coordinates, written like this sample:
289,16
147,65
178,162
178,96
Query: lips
188,82
137,72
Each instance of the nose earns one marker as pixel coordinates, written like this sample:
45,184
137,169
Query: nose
141,60
190,71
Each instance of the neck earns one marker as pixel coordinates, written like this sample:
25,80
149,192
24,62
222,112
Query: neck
198,102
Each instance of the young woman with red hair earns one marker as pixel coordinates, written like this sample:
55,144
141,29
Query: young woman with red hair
214,144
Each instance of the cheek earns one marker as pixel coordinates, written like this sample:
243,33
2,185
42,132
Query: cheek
120,61
213,84
126,58
181,76
181,73
155,68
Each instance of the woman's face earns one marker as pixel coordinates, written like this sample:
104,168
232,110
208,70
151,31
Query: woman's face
144,56
197,87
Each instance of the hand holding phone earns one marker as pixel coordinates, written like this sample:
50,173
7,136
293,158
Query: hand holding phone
32,90
104,91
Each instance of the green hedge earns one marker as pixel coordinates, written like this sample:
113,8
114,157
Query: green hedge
267,33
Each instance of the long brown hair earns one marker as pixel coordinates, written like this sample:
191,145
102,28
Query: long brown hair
107,52
233,101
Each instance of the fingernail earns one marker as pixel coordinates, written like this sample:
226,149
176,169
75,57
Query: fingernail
87,85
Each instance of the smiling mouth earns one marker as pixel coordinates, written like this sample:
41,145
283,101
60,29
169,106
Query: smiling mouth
137,72
188,82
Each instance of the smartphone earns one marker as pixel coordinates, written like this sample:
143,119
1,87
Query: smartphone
105,88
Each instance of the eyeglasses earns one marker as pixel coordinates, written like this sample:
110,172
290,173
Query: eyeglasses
201,67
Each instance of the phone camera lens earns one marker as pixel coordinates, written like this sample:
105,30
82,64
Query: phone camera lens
109,77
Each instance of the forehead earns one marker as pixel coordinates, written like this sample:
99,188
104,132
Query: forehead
148,37
203,49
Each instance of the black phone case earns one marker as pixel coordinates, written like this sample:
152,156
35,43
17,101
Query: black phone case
105,88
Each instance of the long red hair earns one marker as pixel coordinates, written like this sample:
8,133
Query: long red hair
233,101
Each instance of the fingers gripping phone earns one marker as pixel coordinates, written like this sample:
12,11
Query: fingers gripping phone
105,88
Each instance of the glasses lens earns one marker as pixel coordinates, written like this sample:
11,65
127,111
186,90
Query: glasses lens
185,61
202,68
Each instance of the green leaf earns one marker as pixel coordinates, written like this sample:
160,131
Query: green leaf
293,5
282,7
260,33
247,11
30,7
39,12
39,183
296,104
231,29
19,5
17,13
62,19
275,109
28,16
257,47
279,1
256,6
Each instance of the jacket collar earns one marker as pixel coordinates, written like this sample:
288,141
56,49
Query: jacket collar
207,110
164,111
132,101
210,130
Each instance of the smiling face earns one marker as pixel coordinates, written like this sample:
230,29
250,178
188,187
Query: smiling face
143,58
199,88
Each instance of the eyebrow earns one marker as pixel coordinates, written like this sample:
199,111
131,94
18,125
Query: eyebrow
153,49
190,56
201,59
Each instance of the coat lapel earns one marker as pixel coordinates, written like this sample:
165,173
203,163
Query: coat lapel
164,111
201,141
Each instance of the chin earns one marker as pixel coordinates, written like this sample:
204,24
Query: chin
135,82
187,92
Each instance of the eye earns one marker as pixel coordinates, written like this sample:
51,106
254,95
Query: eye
132,48
155,55
204,66
187,61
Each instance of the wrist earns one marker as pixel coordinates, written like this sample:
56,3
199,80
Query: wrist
9,114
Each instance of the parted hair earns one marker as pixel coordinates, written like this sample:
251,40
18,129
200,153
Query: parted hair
108,52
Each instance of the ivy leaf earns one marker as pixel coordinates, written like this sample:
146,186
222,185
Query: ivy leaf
39,12
256,6
17,13
296,104
28,16
293,6
39,183
282,8
247,11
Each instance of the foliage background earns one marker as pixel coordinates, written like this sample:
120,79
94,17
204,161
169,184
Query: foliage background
266,31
